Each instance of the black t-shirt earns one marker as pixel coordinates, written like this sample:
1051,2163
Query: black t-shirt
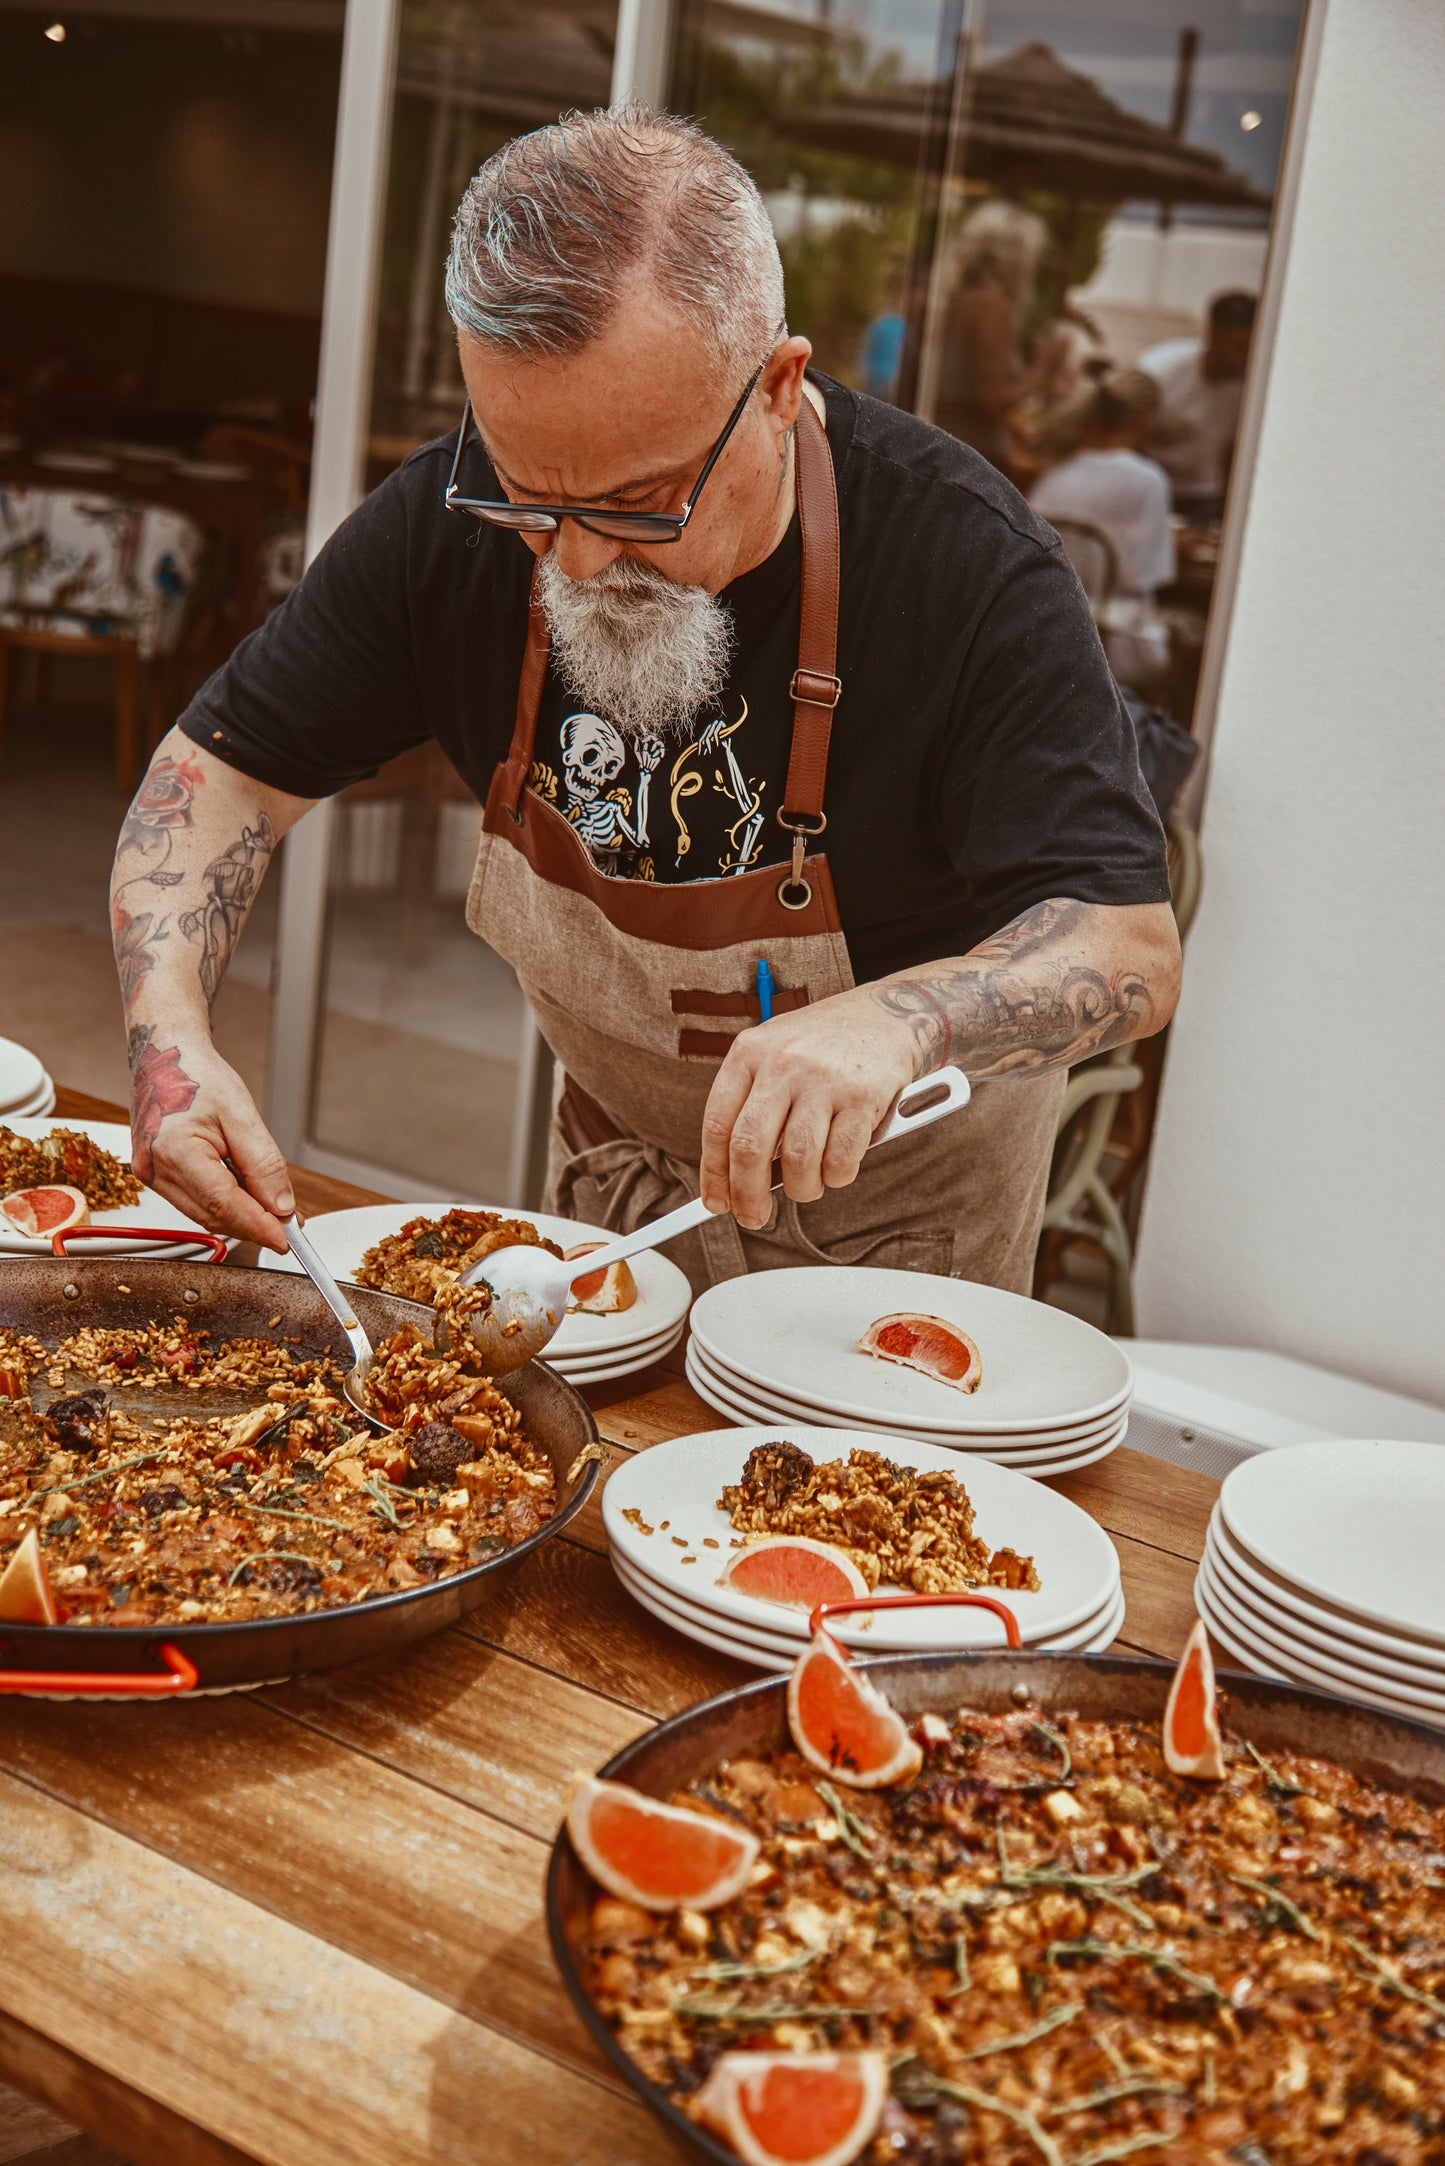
981,758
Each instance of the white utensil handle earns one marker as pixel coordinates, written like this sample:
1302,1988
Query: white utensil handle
916,1106
326,1286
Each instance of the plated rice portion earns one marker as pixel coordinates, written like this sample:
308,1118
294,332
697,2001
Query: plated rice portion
428,1254
152,1509
68,1159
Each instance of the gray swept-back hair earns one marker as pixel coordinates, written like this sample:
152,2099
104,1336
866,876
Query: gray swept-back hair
557,224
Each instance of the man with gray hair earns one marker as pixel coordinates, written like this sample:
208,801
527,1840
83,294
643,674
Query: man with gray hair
746,668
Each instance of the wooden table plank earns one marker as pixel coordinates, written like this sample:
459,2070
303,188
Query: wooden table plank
440,1895
288,2049
472,1722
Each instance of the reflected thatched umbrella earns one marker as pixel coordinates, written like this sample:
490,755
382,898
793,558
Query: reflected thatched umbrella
1028,121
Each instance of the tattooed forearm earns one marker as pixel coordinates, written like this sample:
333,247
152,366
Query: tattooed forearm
231,883
158,1085
1045,992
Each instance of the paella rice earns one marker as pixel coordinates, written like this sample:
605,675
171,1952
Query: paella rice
427,1255
1067,1954
66,1158
153,1508
902,1528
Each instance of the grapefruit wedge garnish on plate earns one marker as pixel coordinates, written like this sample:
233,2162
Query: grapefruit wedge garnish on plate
41,1212
793,1569
794,2109
658,1856
1192,1743
601,1293
25,1596
842,1725
926,1343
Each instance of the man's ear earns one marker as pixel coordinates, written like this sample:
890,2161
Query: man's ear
781,383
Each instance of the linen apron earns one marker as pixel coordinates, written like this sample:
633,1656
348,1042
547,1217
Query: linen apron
638,988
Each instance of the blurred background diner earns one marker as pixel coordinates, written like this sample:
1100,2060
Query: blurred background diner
1014,218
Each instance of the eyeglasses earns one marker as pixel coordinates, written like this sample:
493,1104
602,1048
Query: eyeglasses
640,526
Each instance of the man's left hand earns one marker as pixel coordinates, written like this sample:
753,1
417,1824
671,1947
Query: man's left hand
809,1089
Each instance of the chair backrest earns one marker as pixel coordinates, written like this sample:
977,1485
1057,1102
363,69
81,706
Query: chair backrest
1093,557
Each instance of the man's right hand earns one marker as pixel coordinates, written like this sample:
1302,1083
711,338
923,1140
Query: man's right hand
198,1139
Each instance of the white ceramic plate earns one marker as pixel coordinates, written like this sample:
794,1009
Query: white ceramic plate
682,1480
1357,1522
663,1293
1254,1654
75,462
724,1643
1275,1593
32,1108
752,1412
792,1631
998,1445
1283,1632
796,1332
605,1371
151,1210
22,1076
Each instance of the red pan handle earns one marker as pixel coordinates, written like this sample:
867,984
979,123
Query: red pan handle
172,1234
179,1675
818,1621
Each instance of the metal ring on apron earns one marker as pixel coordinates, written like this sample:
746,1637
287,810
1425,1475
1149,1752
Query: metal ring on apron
794,892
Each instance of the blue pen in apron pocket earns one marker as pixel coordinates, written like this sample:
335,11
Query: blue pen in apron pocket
765,991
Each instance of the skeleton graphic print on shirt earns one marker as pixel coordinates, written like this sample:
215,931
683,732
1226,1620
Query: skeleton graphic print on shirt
685,810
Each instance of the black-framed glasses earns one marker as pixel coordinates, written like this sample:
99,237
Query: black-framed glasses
654,527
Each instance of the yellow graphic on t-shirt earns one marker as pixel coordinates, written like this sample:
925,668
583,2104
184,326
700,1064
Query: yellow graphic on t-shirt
543,779
745,833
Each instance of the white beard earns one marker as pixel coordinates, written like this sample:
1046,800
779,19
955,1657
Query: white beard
636,647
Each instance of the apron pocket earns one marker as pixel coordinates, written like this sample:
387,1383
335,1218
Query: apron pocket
911,1249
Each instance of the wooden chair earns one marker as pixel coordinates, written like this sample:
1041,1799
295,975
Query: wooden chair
1093,556
123,652
1103,1134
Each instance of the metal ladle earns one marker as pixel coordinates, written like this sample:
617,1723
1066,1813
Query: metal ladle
530,1286
354,1381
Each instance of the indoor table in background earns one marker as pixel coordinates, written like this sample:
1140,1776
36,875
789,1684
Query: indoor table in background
305,1927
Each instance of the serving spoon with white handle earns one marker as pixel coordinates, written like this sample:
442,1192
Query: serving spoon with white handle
530,1286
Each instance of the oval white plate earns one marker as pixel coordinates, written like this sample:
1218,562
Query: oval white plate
663,1293
1266,1661
1335,1623
22,1075
1279,1630
793,1624
752,1413
796,1332
681,1481
151,1210
997,1444
627,1363
1358,1522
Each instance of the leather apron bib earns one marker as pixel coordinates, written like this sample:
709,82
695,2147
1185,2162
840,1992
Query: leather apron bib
639,988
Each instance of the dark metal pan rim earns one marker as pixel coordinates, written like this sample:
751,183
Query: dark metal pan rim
1248,1695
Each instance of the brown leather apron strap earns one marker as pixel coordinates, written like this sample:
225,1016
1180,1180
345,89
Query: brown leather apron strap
816,685
529,699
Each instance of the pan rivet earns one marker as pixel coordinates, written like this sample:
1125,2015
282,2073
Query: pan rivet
190,1294
71,1293
1020,1695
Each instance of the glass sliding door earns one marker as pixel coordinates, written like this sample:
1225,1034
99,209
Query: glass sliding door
425,1049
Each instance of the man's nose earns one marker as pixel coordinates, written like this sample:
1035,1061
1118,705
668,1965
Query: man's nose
580,552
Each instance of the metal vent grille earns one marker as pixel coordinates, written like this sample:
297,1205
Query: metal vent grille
1208,1451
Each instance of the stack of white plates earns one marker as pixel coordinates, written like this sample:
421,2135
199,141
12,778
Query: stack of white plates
25,1086
587,1349
150,1211
1323,1565
783,1346
669,1554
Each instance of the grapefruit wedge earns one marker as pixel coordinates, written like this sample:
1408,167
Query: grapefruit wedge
44,1211
659,1856
25,1596
842,1725
1192,1743
927,1343
795,1570
795,2109
602,1293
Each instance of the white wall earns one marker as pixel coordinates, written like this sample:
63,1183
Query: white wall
1297,1198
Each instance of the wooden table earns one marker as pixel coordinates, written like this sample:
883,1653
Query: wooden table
304,1926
